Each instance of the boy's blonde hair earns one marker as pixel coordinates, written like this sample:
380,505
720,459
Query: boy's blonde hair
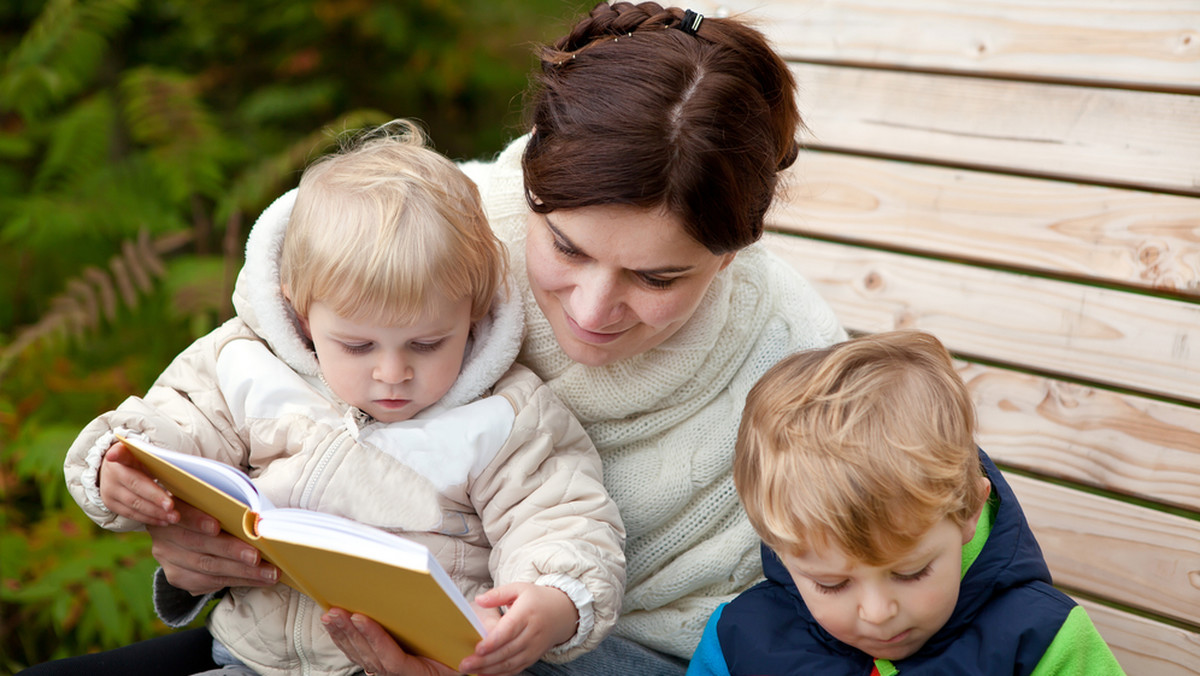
382,228
864,445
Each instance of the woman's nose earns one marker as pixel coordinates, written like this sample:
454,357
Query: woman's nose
596,302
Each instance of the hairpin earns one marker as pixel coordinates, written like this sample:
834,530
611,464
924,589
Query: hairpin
691,22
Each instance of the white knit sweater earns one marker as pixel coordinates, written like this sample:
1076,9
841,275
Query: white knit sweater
665,421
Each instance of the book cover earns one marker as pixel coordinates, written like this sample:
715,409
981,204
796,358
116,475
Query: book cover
335,561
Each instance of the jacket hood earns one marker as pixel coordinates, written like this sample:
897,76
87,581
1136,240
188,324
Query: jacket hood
1011,557
258,300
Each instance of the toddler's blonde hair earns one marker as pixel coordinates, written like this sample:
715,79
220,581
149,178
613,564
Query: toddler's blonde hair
385,226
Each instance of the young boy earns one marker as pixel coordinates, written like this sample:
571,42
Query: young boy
892,543
370,373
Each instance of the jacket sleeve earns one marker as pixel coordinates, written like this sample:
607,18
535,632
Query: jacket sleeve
546,512
709,659
184,410
1078,650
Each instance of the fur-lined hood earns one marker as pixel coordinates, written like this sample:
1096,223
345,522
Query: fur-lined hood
258,299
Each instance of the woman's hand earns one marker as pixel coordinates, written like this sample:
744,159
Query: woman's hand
538,618
370,646
198,558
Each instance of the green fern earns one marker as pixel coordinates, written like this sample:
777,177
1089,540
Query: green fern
92,297
59,54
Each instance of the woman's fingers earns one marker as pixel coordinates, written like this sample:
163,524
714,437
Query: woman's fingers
370,646
198,558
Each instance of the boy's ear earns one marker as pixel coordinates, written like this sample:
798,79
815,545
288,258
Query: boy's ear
984,486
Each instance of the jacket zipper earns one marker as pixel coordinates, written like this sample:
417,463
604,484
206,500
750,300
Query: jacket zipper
302,609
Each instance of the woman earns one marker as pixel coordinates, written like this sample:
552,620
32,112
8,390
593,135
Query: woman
654,156
633,205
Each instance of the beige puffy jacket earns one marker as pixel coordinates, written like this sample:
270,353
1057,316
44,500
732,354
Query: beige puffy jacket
498,479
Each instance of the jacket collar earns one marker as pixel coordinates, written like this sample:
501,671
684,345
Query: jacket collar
258,300
1010,557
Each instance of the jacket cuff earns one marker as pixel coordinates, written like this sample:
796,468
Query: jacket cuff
174,606
582,597
95,456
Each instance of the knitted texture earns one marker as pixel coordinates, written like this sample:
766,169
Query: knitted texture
665,421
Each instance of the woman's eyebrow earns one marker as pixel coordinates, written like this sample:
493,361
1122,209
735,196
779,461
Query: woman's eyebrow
668,270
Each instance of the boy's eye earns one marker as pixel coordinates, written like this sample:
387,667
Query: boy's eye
913,577
830,588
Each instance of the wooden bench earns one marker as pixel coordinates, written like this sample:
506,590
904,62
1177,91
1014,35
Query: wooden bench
1022,179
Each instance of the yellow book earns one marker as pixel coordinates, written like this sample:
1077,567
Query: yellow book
335,561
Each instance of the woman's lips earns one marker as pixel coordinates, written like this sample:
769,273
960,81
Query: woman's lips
591,336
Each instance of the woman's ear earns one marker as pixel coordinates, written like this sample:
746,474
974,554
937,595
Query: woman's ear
983,486
728,259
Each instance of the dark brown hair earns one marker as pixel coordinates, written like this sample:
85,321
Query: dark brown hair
629,109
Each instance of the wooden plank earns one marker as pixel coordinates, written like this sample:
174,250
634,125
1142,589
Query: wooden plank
1146,140
1145,647
1118,442
1105,336
1150,42
1128,237
1135,556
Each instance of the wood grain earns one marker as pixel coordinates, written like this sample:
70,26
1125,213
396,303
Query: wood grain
1147,43
1145,647
1102,335
1146,140
1132,555
1123,237
1118,442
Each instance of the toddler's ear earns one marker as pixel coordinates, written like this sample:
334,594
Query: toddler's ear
283,288
984,486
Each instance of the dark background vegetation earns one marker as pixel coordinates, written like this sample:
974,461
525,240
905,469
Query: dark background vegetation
138,142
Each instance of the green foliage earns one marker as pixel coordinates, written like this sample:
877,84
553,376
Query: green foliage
138,141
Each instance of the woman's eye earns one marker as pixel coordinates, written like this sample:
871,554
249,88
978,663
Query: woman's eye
658,282
565,250
913,577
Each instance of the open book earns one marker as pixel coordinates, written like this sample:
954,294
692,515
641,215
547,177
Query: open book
336,561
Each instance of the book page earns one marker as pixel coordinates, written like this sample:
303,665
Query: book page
225,478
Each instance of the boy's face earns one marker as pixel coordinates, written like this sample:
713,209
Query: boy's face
391,372
887,611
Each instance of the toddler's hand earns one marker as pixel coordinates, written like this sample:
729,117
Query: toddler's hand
129,492
538,618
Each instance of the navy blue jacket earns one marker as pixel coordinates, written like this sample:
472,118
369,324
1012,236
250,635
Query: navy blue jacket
1006,616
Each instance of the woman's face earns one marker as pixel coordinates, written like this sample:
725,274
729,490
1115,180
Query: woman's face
614,280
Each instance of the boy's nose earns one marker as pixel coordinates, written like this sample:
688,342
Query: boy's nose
877,607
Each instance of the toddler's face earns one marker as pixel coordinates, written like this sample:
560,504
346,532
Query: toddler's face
391,372
887,611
